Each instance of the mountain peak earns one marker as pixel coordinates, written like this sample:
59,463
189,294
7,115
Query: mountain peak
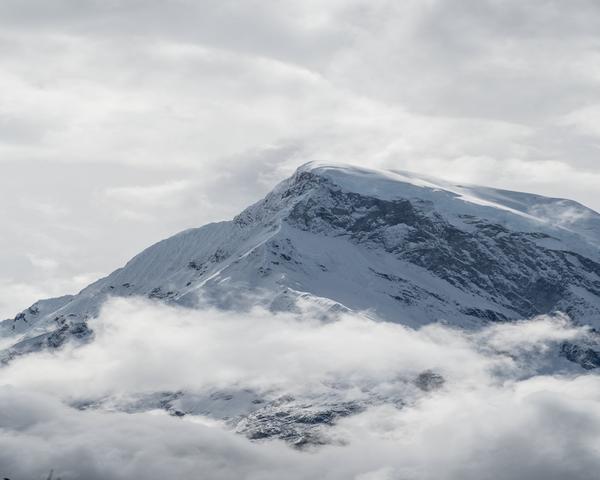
558,213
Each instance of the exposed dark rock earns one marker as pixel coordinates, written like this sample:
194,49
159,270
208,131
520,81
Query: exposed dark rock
485,314
196,265
298,424
585,356
429,381
159,294
78,331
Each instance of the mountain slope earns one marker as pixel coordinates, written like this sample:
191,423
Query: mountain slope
409,248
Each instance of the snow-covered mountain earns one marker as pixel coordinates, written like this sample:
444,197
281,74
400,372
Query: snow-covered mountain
391,245
402,247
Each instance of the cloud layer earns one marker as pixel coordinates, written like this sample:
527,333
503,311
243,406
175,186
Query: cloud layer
497,415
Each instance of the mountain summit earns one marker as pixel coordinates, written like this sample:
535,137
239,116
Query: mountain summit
403,247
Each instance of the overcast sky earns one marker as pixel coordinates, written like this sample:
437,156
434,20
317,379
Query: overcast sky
124,121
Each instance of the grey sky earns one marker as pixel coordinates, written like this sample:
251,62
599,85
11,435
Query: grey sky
122,122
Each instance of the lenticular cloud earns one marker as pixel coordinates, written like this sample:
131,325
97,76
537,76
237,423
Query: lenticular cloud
432,403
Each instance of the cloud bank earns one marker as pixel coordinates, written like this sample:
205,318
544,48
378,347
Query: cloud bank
499,414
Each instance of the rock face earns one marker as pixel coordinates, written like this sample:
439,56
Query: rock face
410,249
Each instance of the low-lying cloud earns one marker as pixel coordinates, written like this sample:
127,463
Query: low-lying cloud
496,416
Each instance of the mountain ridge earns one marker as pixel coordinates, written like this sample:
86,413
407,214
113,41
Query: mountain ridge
405,247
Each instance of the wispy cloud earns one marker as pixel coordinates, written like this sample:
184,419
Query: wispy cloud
149,195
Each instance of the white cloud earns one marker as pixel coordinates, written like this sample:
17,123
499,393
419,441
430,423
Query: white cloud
496,416
149,195
42,262
586,120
